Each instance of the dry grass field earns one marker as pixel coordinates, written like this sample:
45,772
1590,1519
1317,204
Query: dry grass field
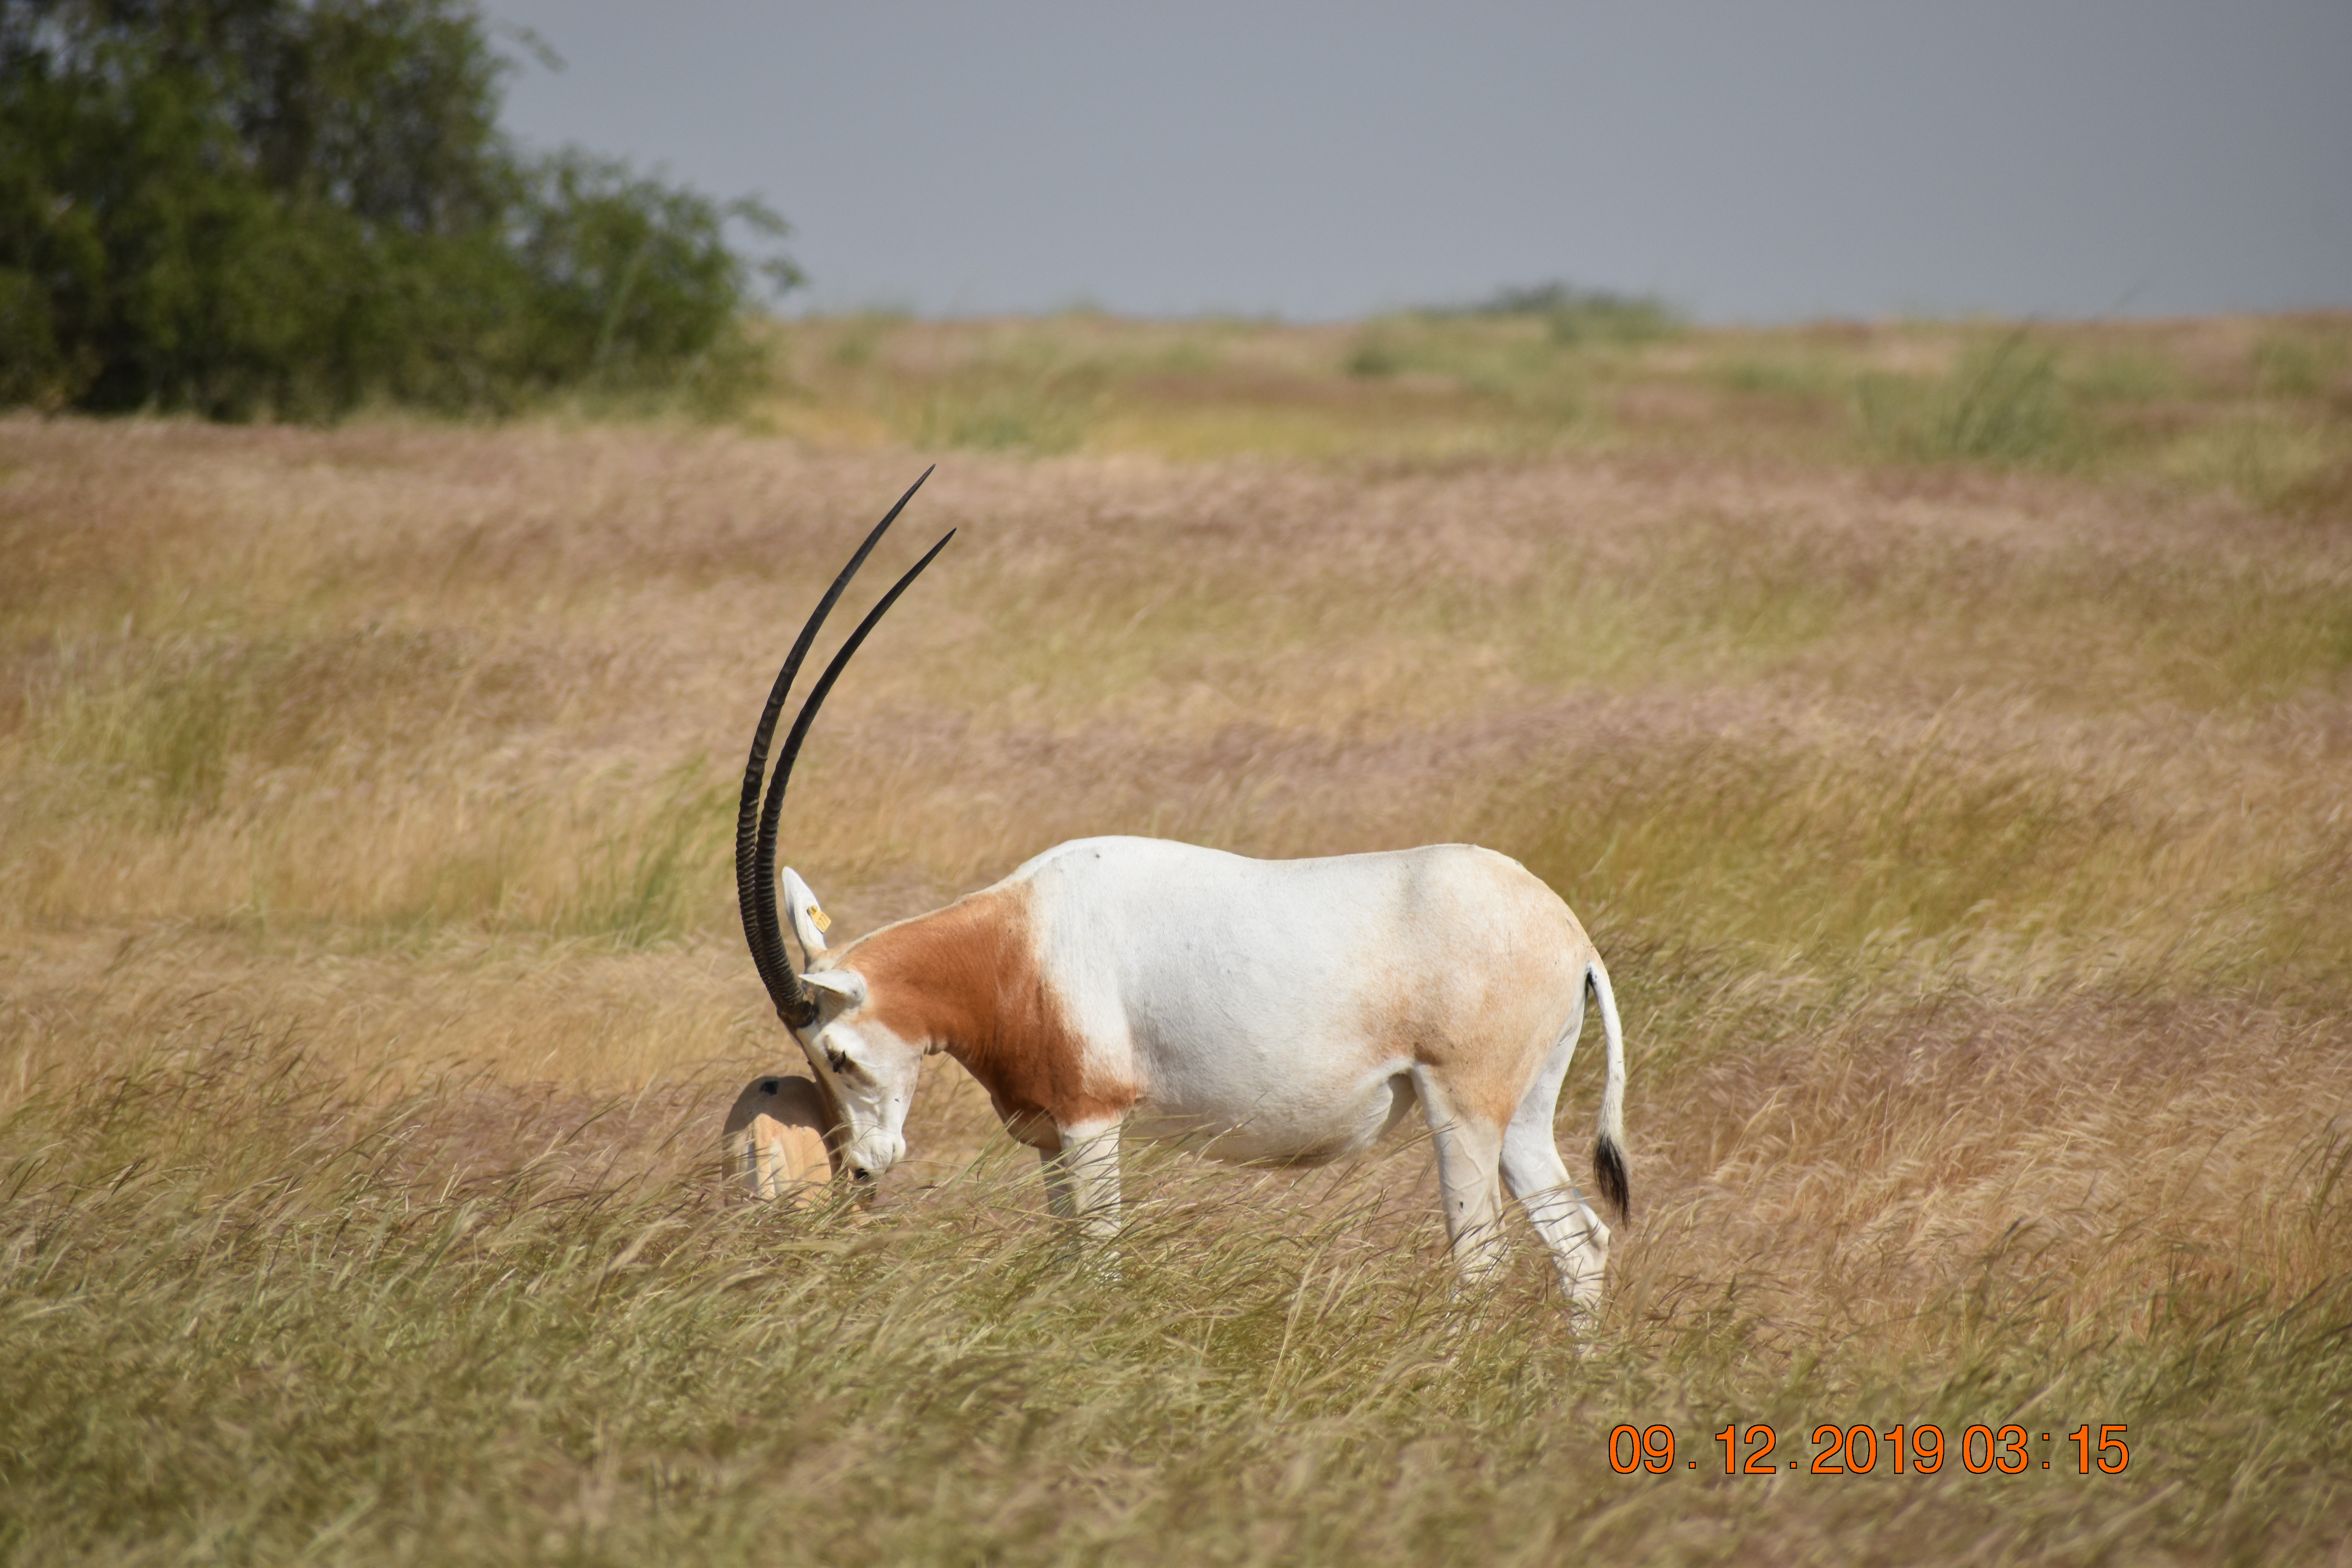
1944,730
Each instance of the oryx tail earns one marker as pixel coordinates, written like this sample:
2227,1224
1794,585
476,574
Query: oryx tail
1609,1144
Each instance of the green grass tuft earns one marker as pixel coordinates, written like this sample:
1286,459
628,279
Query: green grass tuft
2005,402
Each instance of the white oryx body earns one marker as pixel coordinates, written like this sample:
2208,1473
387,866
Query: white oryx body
1286,1011
1257,1010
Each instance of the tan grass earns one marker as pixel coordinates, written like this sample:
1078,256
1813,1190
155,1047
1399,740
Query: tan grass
1969,846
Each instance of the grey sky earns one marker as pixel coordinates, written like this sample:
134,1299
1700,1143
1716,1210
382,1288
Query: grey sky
1747,162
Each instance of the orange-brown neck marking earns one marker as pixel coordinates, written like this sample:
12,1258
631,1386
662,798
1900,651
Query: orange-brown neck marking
967,979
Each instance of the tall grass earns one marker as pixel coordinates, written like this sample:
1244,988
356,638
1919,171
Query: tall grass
1966,841
248,1320
647,880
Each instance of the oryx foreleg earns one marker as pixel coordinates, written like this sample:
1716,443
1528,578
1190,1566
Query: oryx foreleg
1082,1180
1060,1201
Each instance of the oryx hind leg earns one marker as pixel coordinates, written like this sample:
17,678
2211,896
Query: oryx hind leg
1578,1241
1469,1187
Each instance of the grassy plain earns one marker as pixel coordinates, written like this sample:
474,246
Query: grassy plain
1945,731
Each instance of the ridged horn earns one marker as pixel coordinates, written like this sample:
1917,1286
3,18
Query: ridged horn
755,819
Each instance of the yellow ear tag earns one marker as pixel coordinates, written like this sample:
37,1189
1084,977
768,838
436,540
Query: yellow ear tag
817,919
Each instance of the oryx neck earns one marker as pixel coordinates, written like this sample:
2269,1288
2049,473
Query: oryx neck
971,980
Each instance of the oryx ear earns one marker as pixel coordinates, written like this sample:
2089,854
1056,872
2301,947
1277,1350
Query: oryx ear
844,987
808,921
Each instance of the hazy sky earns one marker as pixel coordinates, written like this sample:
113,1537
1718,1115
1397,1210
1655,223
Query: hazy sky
1747,162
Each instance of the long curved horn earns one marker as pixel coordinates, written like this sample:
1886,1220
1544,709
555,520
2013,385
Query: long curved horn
802,1005
755,828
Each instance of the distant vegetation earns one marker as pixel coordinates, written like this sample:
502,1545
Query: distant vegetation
2259,407
289,207
1569,318
1577,315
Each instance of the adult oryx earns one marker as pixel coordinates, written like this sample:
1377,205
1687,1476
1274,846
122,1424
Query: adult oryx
1282,1010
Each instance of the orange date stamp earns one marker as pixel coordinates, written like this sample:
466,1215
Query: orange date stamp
2009,1450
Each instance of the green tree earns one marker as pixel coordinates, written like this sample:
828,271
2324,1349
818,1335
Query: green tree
244,207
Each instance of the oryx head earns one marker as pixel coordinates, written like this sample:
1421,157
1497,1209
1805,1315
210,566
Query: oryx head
866,1073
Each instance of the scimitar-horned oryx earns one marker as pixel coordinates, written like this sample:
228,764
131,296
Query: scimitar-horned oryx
1275,1011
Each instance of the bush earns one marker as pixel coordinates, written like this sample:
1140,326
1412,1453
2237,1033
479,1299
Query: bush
244,208
1587,315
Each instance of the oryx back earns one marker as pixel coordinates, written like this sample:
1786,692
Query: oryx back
1279,1010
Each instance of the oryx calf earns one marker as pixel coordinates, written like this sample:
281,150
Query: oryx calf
774,1138
1282,1010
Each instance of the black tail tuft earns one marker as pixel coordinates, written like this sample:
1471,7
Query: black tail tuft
1609,1173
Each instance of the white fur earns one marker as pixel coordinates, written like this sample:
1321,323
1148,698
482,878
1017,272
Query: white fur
1294,1010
